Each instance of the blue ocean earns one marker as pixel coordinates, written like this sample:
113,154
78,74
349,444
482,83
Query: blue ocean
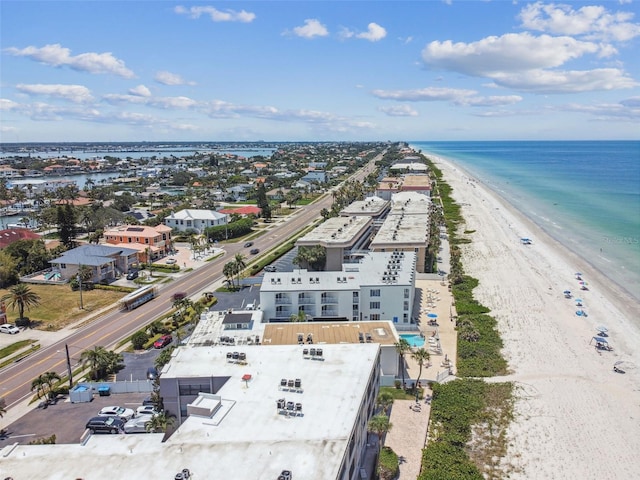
585,194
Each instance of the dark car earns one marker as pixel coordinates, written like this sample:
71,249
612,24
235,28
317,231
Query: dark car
248,244
163,341
147,401
253,251
152,373
105,424
132,275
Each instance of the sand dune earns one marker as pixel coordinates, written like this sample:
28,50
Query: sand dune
575,417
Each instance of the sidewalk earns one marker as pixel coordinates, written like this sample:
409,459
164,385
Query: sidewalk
408,435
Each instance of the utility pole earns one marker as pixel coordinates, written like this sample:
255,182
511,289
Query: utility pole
79,278
66,347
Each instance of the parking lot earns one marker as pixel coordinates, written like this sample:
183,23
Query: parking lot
65,420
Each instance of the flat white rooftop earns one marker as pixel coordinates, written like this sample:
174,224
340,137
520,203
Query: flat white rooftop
246,439
406,223
371,206
336,231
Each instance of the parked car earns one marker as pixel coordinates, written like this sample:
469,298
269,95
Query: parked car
270,268
147,401
152,373
105,424
115,411
9,328
248,244
171,261
163,341
137,425
132,275
146,410
253,251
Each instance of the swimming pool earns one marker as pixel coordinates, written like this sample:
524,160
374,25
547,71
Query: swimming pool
415,340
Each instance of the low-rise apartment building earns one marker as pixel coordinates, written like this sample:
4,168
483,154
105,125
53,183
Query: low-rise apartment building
380,286
197,220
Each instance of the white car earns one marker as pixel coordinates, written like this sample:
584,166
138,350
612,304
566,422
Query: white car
146,410
115,411
171,261
138,424
9,328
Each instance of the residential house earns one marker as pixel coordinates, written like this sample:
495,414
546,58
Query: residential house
195,220
105,261
151,243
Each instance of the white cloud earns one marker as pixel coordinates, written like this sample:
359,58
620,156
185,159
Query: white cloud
167,103
606,111
525,62
140,91
546,81
399,111
510,52
55,55
311,28
456,96
429,94
216,15
374,33
168,78
589,21
72,93
6,104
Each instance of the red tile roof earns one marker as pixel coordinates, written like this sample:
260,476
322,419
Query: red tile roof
248,210
11,235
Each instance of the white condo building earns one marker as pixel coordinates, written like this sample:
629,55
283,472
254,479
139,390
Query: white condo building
380,286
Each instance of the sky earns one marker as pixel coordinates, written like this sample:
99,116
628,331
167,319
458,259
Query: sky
119,71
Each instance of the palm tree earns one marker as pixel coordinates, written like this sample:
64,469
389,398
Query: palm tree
22,297
160,422
421,356
298,317
402,347
96,359
384,401
240,265
229,270
379,425
43,385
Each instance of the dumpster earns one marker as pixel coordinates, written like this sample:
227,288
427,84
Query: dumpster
104,390
81,394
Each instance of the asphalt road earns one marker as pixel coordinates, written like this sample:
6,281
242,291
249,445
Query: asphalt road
108,330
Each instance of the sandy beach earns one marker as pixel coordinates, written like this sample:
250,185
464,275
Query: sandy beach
575,416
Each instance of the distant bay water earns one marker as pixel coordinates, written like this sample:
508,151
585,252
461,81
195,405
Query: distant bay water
585,194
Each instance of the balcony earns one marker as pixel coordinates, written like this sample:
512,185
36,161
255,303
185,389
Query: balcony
283,301
329,299
306,301
329,312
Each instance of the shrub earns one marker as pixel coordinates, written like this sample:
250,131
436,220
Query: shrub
139,339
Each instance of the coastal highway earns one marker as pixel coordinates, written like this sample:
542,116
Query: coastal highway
111,328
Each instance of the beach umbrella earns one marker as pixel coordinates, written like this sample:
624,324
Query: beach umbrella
578,300
432,315
602,329
578,274
567,292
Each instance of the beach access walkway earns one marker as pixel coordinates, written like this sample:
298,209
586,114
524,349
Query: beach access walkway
410,420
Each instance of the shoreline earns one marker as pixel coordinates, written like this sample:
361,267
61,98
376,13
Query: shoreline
594,246
574,416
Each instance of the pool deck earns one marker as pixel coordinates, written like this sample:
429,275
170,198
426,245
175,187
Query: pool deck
410,420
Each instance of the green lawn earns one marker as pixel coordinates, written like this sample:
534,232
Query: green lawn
60,306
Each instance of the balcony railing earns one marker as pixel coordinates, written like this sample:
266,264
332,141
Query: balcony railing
326,299
306,301
283,301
